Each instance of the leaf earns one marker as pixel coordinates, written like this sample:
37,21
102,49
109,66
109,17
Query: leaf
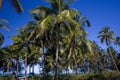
3,24
65,14
17,6
1,39
44,25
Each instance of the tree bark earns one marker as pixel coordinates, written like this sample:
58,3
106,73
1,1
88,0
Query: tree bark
17,68
113,60
67,71
33,69
76,67
26,67
29,69
56,64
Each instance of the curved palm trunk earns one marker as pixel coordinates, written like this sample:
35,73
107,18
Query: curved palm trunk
56,63
29,69
76,67
67,71
26,67
56,54
44,72
113,59
33,69
17,68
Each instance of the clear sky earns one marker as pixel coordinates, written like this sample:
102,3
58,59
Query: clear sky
99,12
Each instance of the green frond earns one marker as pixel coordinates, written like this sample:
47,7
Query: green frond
3,20
76,12
3,24
17,6
106,35
39,9
1,39
45,25
40,12
117,41
65,14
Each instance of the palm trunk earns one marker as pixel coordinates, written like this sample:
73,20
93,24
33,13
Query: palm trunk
113,60
76,67
29,69
26,67
44,72
33,69
17,68
67,71
56,63
56,54
70,52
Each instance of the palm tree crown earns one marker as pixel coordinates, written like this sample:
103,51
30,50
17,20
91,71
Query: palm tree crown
106,35
117,41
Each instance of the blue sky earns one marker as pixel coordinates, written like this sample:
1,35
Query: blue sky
100,13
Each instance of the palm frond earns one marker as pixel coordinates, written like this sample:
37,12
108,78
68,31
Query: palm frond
1,39
44,25
17,6
3,24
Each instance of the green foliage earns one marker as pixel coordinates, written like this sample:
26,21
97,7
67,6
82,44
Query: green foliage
106,35
15,4
58,37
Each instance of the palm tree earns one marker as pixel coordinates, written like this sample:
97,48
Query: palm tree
15,4
3,25
20,38
106,35
33,57
52,26
9,63
54,21
117,43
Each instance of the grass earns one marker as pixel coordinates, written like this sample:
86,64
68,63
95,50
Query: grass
114,75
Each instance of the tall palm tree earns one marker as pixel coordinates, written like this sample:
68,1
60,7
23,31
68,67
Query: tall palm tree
54,22
15,4
33,56
9,59
53,25
20,38
106,35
